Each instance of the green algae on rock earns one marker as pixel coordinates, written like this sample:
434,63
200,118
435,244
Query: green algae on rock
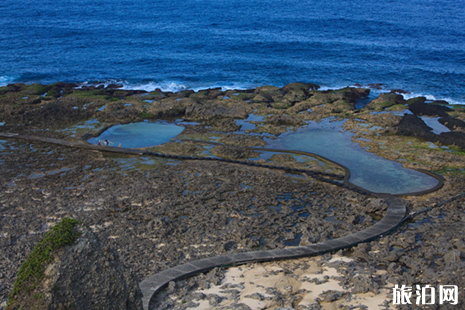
32,271
71,268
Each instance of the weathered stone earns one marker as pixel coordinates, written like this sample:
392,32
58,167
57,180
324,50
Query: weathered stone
87,275
385,100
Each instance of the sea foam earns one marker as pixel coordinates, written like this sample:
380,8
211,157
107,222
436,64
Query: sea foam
434,98
168,86
5,80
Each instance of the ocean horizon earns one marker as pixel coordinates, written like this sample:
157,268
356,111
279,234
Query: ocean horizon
415,46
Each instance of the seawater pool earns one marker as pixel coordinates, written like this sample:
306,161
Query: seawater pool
325,138
143,134
368,171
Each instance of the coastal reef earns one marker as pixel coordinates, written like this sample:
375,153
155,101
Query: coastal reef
136,215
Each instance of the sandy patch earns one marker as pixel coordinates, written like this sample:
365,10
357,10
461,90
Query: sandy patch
306,281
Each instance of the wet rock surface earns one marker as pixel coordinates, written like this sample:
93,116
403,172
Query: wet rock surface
412,125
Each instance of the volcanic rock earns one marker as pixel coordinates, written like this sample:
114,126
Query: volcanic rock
87,275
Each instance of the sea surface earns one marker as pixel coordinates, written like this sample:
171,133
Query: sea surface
416,45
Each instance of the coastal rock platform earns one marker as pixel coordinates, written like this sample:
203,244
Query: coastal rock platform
162,212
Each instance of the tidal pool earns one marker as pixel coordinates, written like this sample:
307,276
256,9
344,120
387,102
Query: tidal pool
433,123
368,171
246,123
142,134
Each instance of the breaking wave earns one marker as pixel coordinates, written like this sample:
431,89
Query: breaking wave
5,80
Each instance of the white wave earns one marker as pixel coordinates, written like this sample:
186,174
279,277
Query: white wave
178,86
175,86
374,91
169,86
151,86
5,80
334,87
433,98
237,86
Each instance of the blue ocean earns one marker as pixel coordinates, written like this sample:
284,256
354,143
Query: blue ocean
417,45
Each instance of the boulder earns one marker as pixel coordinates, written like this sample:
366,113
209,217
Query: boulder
452,123
340,99
300,86
71,268
412,125
453,138
296,92
421,108
385,100
16,87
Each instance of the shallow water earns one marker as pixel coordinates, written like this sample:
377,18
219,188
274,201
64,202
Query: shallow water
92,124
325,138
433,122
369,171
246,123
136,135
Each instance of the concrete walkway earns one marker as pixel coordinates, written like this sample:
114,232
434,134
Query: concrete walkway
395,214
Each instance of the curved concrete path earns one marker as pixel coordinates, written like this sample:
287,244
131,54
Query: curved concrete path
395,215
321,176
347,172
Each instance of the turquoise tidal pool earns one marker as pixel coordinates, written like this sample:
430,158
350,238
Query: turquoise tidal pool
368,171
136,135
325,138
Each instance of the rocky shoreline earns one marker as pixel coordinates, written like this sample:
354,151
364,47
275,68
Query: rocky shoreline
158,213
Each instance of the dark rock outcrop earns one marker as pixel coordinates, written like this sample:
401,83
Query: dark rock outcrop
399,91
422,108
215,109
87,275
452,123
453,138
412,125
